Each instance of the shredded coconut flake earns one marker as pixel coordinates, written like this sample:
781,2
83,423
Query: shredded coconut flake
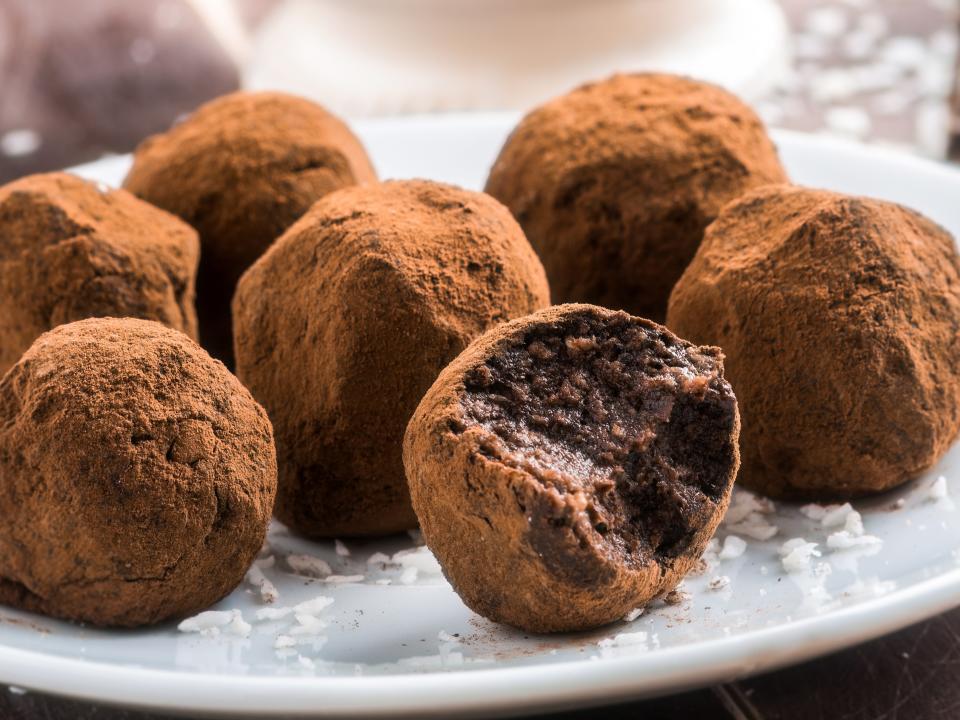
313,607
306,662
420,558
733,547
408,576
212,622
307,625
621,640
341,549
813,511
238,626
852,535
273,613
719,582
378,558
845,540
341,579
743,504
871,587
444,636
633,614
938,490
853,523
836,515
268,591
309,565
754,526
796,555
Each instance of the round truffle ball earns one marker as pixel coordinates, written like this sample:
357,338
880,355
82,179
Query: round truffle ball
241,170
840,320
72,249
615,182
571,465
137,475
344,323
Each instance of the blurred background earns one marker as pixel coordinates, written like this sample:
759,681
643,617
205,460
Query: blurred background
79,80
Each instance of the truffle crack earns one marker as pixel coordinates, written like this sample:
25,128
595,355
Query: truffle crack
602,417
571,465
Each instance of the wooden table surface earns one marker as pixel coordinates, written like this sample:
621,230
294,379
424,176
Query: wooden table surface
914,673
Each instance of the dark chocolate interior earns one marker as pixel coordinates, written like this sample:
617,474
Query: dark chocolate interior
629,426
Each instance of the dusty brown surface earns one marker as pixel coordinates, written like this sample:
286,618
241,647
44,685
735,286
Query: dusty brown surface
571,465
240,170
138,475
840,320
72,250
346,321
615,182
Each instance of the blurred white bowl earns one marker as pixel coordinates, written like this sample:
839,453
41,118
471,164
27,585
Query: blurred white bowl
386,57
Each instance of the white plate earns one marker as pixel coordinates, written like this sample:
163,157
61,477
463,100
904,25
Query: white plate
382,653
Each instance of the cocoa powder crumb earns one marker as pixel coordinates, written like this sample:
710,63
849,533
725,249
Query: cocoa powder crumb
241,169
344,323
138,475
615,182
840,320
546,514
73,249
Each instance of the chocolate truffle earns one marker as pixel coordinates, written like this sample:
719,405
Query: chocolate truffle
840,320
344,323
71,249
570,465
615,182
137,475
241,169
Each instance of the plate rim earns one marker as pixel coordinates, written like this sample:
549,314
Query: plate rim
519,689
516,689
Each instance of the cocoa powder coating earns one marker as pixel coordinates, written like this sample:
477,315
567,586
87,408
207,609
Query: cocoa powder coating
240,170
840,320
615,182
137,475
343,324
570,465
71,249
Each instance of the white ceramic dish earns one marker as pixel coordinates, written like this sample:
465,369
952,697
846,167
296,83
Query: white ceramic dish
390,649
403,56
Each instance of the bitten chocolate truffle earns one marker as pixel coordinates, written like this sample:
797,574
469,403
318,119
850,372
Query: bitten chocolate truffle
840,320
240,170
570,465
137,475
71,249
615,182
344,323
